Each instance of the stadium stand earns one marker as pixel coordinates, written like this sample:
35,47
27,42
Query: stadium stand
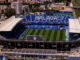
35,51
59,46
45,27
15,33
57,18
73,58
18,48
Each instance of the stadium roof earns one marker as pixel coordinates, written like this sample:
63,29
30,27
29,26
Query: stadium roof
9,24
74,26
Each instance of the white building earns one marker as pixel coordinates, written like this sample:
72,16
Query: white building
17,6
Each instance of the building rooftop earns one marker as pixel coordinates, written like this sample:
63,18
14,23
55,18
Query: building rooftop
9,24
74,26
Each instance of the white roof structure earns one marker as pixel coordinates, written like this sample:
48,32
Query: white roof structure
74,26
9,24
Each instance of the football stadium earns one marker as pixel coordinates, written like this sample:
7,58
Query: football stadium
40,30
40,36
52,26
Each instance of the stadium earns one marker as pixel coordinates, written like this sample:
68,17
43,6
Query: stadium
51,35
49,27
44,33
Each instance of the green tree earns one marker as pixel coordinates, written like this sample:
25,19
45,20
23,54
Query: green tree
9,12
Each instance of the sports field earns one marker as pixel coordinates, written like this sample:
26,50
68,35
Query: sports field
48,34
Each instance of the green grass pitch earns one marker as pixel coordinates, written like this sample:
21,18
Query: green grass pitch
48,34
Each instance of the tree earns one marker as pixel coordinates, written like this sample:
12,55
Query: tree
9,12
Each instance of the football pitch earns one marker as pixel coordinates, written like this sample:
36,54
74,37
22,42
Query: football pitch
48,34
